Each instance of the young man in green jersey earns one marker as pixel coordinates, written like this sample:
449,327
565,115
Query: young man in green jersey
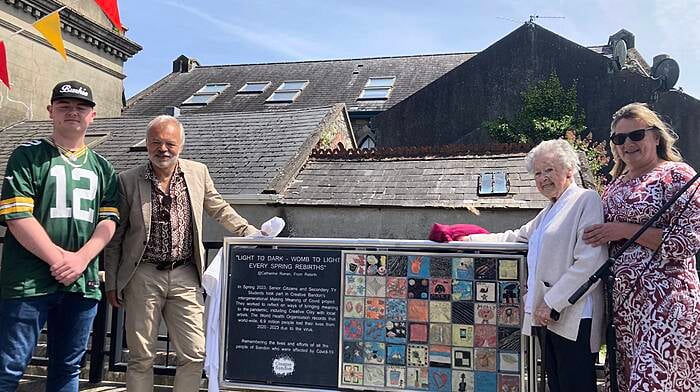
59,202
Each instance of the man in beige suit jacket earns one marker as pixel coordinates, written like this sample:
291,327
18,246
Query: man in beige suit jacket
155,261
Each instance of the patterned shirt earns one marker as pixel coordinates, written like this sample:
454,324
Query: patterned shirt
171,221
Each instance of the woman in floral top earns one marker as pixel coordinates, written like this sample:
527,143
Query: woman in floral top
656,294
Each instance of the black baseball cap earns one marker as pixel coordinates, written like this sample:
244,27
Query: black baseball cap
73,89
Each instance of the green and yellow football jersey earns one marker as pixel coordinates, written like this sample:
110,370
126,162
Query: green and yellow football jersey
68,196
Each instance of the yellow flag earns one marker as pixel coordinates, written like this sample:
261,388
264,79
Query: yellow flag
50,27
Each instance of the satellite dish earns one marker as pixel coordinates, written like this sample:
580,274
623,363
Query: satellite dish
666,70
620,53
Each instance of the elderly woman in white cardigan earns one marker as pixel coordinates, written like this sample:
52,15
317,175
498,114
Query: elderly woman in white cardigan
558,263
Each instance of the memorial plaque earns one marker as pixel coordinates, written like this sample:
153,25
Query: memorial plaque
282,326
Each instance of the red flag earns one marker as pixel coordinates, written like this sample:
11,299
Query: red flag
3,65
111,9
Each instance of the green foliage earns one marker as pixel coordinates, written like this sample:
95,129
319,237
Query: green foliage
548,111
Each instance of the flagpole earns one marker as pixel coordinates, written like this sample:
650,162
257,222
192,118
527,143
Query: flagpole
24,29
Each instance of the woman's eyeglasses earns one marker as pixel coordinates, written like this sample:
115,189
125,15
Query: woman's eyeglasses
618,139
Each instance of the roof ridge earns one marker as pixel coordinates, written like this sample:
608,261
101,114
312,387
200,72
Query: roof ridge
339,59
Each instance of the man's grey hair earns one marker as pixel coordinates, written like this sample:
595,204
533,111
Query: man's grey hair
164,118
562,151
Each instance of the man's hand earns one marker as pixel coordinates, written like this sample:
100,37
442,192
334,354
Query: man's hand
70,268
113,299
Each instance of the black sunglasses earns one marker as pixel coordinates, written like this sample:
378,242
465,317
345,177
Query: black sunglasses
618,139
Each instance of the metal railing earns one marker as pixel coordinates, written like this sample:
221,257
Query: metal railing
116,333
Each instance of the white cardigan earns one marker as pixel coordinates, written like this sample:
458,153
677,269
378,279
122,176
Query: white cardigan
565,263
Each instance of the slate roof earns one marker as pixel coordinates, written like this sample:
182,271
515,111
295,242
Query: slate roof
425,182
247,153
330,82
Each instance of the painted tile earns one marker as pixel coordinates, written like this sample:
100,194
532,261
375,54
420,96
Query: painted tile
397,265
396,287
396,354
463,268
462,335
485,291
508,383
376,265
374,376
375,330
462,381
485,359
396,331
354,307
417,355
353,352
440,311
440,289
440,334
440,356
485,382
355,285
462,358
355,264
509,293
352,374
375,308
462,312
352,329
485,269
375,286
508,362
485,313
462,290
395,376
417,378
509,315
418,266
374,353
417,332
440,379
509,338
507,269
418,288
396,309
440,267
485,335
418,310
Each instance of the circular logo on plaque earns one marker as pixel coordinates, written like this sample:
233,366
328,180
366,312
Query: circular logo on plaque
283,365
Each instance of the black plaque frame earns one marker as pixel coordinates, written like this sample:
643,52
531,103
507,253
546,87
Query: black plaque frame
292,245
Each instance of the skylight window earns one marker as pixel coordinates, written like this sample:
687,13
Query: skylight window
254,88
377,88
493,184
288,91
206,94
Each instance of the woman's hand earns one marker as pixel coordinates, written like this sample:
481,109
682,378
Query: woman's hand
603,233
542,315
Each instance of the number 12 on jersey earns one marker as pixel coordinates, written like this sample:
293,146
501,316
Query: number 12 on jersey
78,194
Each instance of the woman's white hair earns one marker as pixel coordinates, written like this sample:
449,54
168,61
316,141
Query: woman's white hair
562,151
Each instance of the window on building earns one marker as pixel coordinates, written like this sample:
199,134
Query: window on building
493,184
206,94
288,91
254,88
377,88
367,142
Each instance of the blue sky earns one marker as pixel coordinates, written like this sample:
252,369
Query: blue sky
235,32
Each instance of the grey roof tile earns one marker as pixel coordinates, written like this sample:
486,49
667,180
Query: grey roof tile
426,182
246,152
330,82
